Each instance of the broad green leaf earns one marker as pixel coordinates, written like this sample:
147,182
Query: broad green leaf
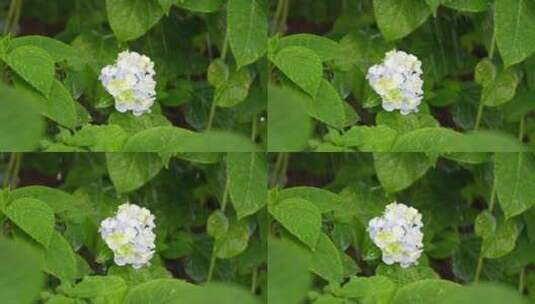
325,48
301,218
398,18
247,29
60,259
100,289
158,139
369,138
485,72
289,125
501,90
325,200
221,293
377,289
202,6
59,106
218,73
288,277
515,177
133,124
129,171
12,136
502,242
134,277
99,138
217,141
129,19
397,171
429,140
420,292
34,65
302,66
58,50
165,291
406,123
234,90
326,261
34,217
327,106
485,224
232,242
402,276
20,277
515,28
58,200
217,224
472,6
247,180
488,293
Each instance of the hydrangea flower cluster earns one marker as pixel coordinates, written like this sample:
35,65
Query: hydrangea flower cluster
129,235
398,234
398,81
131,82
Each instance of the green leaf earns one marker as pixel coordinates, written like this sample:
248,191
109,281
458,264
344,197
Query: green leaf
218,72
301,218
129,171
420,292
234,90
58,50
233,242
397,171
325,200
34,65
158,291
288,277
485,72
20,277
34,217
12,137
488,293
58,200
302,66
502,242
325,48
289,125
60,259
221,293
515,29
247,182
515,177
217,224
247,29
501,90
402,276
327,106
129,19
201,6
472,6
369,138
377,289
398,18
485,224
99,138
326,261
100,289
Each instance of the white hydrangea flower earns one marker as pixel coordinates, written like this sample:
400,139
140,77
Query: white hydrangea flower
131,82
129,235
398,234
398,81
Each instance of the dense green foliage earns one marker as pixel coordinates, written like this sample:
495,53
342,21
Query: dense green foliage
478,71
478,224
210,80
210,228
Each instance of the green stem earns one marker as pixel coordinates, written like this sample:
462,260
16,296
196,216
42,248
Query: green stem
253,129
276,169
211,116
521,129
284,17
15,173
213,258
225,47
491,54
479,266
278,11
12,170
253,281
13,15
284,168
521,280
